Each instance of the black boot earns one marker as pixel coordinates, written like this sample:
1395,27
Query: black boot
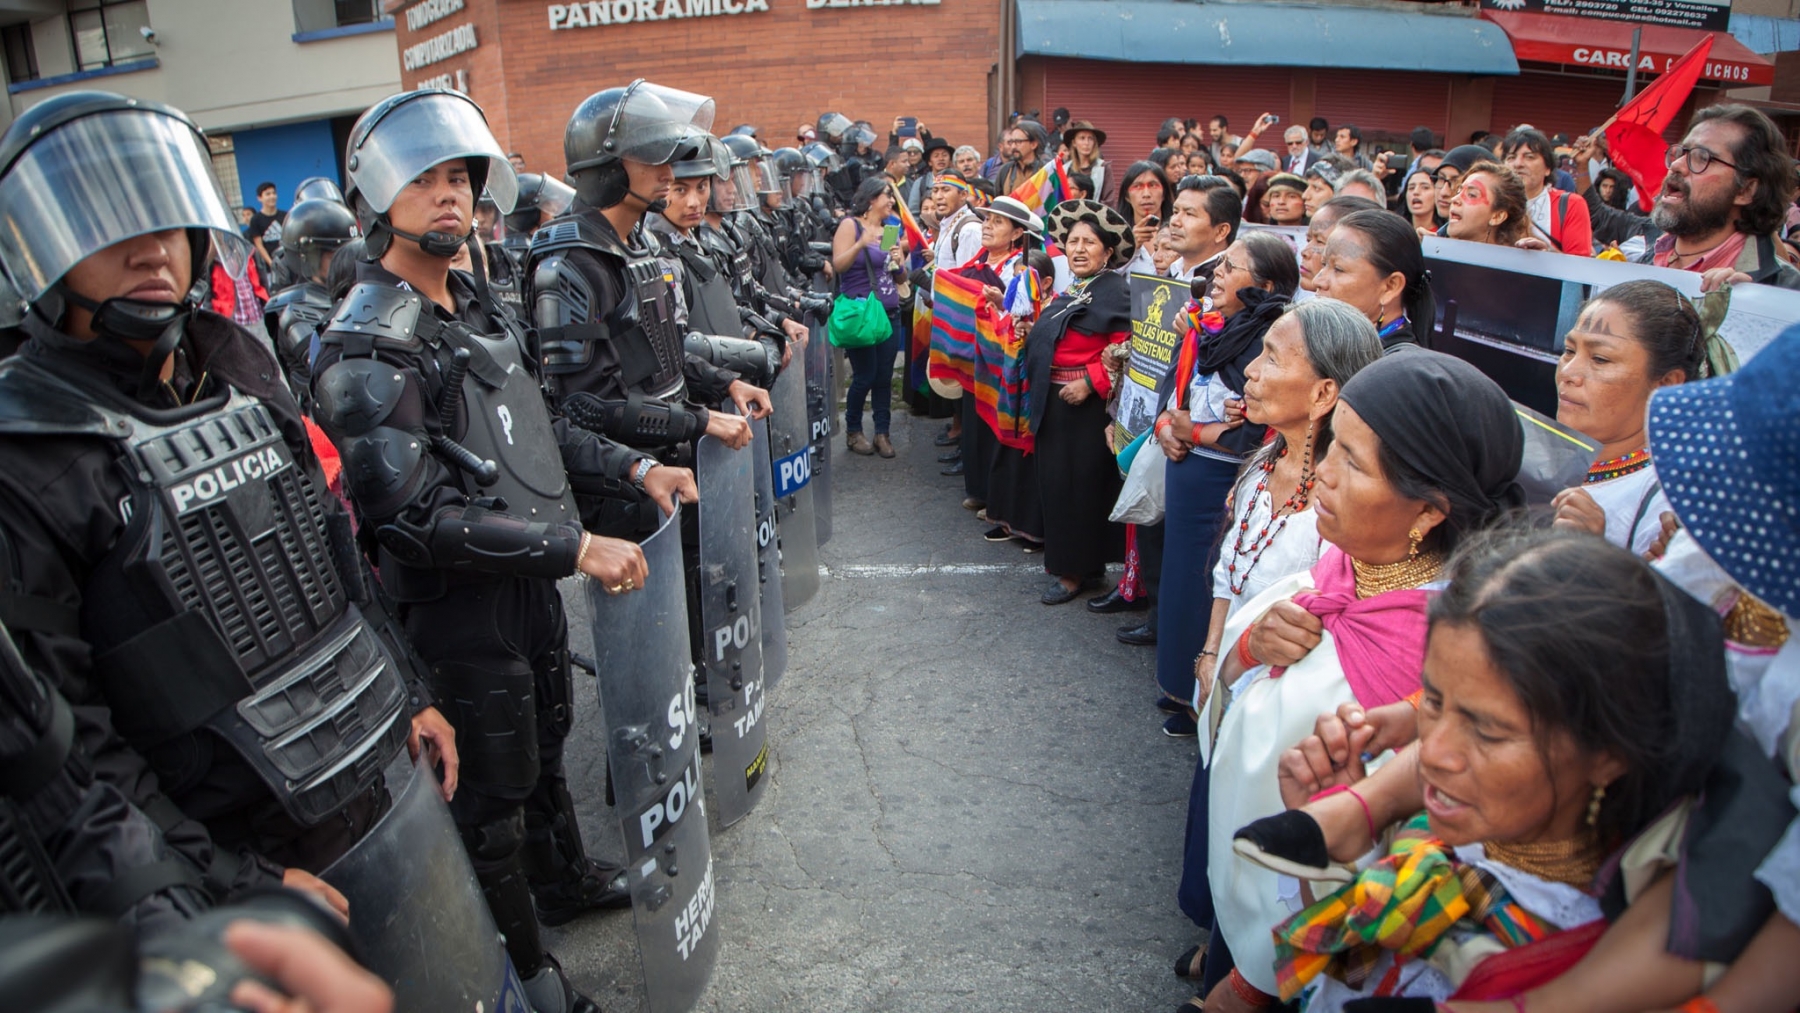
565,882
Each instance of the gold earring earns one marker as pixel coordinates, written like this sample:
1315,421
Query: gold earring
1412,551
1593,813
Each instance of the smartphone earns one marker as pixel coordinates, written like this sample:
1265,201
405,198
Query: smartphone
909,126
1273,119
1152,221
890,236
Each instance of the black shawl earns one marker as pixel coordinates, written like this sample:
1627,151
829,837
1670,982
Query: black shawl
1102,307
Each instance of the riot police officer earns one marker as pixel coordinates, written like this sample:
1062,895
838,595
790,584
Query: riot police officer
176,570
315,230
541,199
608,325
462,482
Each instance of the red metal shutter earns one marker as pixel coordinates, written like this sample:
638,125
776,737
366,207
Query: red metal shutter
1554,103
1385,105
1130,100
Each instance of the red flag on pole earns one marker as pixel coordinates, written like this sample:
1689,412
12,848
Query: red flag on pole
1634,135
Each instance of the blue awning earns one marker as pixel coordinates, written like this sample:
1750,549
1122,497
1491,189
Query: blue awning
1263,35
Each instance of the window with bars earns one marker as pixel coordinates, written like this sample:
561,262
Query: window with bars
108,32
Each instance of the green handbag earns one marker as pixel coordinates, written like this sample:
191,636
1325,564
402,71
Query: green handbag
858,323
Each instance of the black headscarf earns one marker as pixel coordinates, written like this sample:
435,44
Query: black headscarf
1103,306
1447,421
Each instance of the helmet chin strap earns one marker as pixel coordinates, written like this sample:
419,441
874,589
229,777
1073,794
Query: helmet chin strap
652,207
139,321
434,243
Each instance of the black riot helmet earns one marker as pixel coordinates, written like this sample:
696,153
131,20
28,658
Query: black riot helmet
405,135
642,122
796,171
713,159
315,228
541,198
762,170
83,171
317,188
831,127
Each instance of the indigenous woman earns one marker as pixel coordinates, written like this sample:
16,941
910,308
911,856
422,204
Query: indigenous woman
1287,202
1206,441
1489,207
1067,386
1627,343
1010,294
1271,530
1372,261
1424,450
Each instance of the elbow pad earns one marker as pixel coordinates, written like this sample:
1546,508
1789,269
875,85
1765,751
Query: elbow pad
636,421
754,361
473,538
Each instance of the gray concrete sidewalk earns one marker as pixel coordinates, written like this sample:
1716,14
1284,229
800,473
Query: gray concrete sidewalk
972,805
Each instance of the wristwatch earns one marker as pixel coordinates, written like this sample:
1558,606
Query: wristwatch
642,471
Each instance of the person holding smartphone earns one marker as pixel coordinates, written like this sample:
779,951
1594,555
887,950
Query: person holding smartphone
866,254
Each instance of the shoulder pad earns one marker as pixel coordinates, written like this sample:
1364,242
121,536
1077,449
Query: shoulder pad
309,295
378,313
353,396
574,232
36,402
560,294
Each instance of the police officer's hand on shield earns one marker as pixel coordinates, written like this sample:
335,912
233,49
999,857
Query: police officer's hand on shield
731,430
617,564
665,484
752,402
306,882
431,731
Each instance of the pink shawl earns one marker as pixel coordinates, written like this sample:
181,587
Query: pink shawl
1380,640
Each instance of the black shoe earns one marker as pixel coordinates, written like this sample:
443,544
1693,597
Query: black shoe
954,469
1137,636
954,455
997,534
1168,704
1292,844
1112,601
1057,594
1181,726
600,888
944,439
549,991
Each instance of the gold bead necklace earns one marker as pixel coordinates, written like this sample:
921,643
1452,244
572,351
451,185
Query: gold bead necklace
1379,578
1574,861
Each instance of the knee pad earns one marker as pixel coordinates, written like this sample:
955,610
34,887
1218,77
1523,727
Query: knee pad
494,709
495,842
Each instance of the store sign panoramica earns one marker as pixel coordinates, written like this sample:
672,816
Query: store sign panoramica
595,13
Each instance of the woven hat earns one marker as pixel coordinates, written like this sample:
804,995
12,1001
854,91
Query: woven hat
1286,180
1728,455
1013,209
1108,220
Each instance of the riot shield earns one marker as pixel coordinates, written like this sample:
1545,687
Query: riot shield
646,682
821,405
791,475
731,627
768,559
417,913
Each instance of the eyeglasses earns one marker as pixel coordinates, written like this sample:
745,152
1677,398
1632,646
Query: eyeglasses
1698,158
1443,182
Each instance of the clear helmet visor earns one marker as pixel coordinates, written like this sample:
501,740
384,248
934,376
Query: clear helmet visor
733,191
765,178
653,124
862,135
818,154
804,183
103,179
318,188
418,134
554,197
834,124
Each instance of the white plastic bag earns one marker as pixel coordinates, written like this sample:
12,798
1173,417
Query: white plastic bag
1141,498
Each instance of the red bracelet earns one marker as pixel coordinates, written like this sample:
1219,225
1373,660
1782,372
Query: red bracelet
1699,1004
1251,995
1161,424
1344,789
1245,658
1199,431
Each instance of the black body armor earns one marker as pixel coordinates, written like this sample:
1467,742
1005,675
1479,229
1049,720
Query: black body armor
294,316
642,326
225,604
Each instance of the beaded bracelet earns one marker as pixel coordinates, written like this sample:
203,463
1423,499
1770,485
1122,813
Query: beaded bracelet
1249,993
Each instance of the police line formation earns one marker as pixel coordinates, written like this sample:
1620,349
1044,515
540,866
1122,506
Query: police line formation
245,574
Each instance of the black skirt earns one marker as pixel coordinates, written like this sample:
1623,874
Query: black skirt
1078,482
1012,497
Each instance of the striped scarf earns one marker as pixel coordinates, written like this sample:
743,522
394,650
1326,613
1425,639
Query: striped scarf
1403,905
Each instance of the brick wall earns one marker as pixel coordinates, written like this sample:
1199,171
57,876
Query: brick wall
776,68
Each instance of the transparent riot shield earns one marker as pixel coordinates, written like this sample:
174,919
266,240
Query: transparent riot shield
416,911
791,475
821,405
768,559
646,685
731,627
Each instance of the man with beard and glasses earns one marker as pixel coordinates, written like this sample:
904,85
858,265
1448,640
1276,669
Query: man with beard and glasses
1729,185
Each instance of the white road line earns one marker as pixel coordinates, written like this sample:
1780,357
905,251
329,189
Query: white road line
926,570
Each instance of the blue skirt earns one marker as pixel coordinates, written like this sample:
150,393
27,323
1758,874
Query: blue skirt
1194,498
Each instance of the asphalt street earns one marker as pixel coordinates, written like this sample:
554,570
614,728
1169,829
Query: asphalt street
972,805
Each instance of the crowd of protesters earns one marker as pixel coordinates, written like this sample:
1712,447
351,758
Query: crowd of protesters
1584,698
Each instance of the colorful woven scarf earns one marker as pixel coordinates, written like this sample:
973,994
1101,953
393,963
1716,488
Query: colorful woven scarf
1197,323
1403,905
